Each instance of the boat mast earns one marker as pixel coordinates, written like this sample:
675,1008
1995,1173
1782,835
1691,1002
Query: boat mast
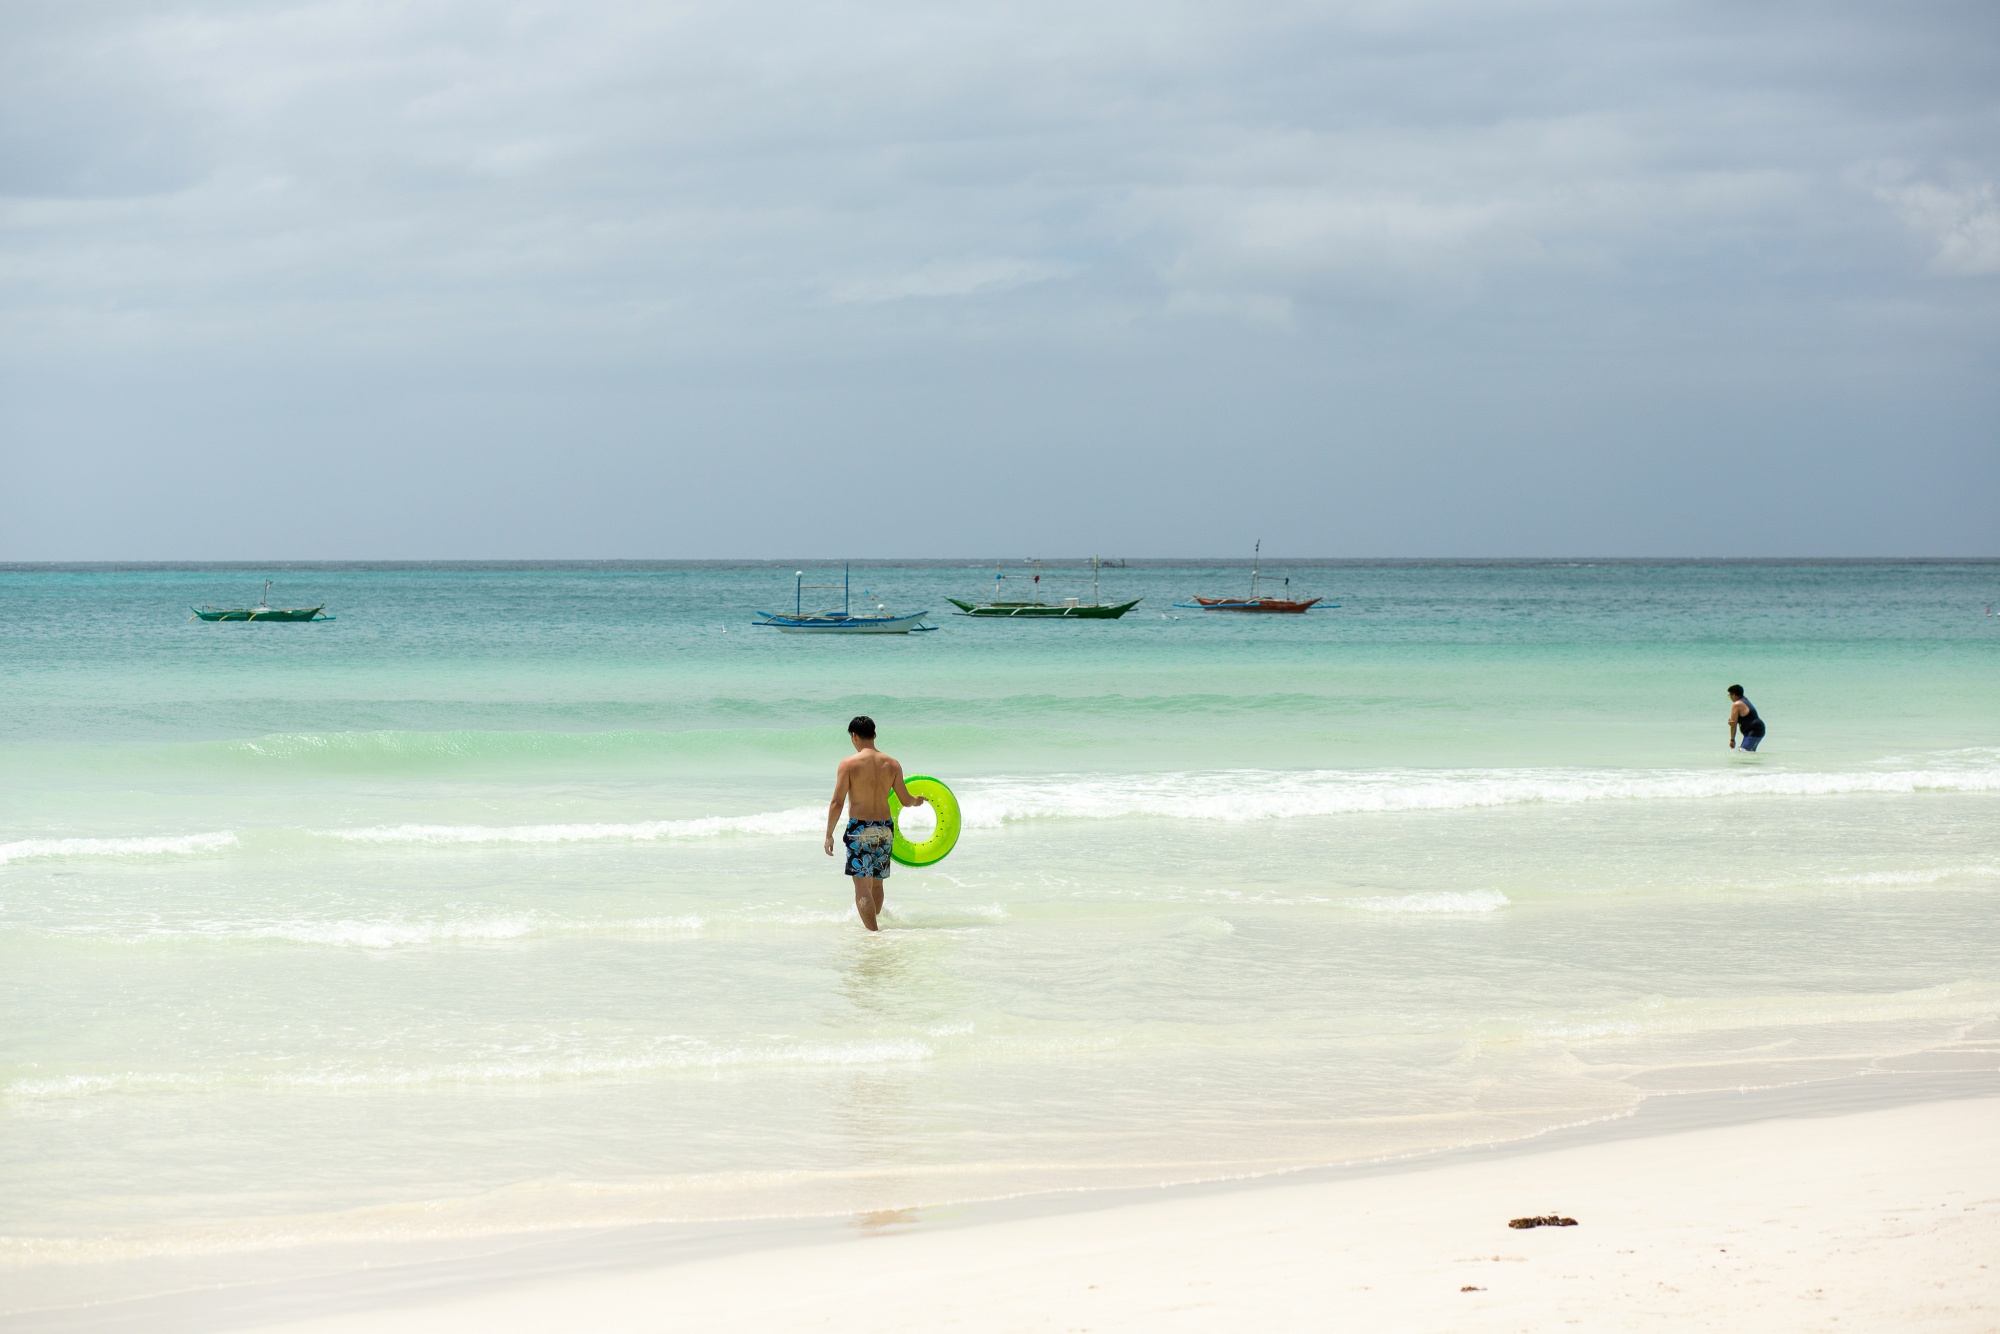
846,579
1256,558
799,593
1093,581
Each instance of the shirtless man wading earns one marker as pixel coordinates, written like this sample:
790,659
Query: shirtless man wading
862,784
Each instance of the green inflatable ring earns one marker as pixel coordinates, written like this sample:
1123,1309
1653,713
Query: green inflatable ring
938,797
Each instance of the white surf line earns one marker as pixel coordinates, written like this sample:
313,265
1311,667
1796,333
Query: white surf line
801,820
24,849
1247,795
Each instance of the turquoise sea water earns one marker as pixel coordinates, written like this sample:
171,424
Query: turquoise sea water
498,901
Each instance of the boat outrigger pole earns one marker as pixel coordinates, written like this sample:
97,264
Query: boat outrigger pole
846,591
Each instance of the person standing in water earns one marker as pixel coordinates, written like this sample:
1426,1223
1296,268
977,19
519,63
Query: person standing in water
862,784
1743,718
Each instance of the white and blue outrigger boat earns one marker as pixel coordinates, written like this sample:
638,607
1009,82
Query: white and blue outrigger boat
844,621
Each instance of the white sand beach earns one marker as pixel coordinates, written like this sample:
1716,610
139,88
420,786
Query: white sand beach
1886,1218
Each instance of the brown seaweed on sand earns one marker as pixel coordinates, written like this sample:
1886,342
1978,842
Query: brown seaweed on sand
1545,1220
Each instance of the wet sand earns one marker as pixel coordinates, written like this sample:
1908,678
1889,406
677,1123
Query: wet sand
1800,1220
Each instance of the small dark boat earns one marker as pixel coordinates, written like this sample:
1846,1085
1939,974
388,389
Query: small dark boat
1252,604
1069,609
263,611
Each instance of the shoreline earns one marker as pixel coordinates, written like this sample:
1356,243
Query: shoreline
367,1284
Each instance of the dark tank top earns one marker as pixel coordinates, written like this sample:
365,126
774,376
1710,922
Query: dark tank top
1751,724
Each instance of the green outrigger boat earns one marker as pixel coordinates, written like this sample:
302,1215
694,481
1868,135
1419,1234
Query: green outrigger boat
263,611
1068,609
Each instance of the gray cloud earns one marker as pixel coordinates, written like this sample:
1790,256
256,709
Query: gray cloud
1490,277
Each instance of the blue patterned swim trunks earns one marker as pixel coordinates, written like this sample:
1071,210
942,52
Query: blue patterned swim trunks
868,843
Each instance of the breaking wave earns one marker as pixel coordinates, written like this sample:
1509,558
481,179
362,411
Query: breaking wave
1255,794
24,849
804,820
1241,795
1471,901
535,1068
1238,795
393,932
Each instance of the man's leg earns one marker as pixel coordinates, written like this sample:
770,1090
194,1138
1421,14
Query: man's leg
867,899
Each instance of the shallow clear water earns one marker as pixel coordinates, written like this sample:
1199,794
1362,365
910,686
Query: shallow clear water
498,901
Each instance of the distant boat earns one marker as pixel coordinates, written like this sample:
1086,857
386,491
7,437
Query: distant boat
263,611
1069,609
842,622
1258,600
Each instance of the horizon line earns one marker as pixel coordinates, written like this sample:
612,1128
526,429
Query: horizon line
666,562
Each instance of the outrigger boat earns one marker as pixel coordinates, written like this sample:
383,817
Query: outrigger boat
842,622
1257,601
1069,609
263,611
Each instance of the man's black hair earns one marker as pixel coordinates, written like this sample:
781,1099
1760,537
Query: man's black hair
863,726
1736,690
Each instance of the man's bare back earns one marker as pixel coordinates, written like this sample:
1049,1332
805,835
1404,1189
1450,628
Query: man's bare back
866,778
861,786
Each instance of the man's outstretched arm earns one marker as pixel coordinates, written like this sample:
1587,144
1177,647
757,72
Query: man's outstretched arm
903,794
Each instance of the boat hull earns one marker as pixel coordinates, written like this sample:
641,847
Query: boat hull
1042,611
1280,605
845,625
262,613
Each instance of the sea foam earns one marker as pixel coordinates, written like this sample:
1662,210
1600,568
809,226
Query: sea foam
803,820
1230,796
529,1068
27,848
393,932
1244,795
1469,901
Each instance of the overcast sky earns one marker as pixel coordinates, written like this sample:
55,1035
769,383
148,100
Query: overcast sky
434,278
